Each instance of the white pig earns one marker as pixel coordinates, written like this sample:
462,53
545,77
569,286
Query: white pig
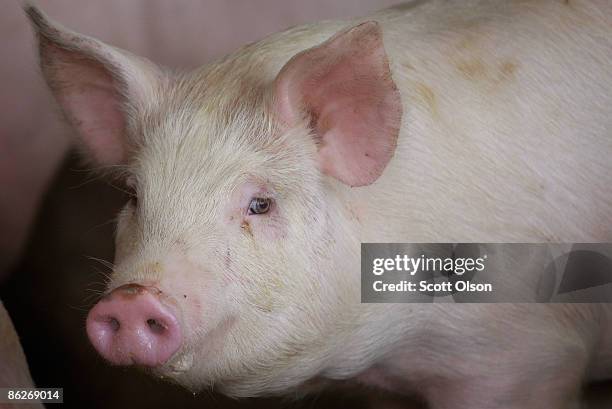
256,178
14,371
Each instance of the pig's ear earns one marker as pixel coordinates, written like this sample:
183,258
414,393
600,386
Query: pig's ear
344,88
97,87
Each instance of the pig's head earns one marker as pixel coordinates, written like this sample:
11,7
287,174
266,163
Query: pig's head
236,257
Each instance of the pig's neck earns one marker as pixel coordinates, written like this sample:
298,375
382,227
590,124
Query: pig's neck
363,336
371,338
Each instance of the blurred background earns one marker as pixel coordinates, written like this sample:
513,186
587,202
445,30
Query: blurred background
55,218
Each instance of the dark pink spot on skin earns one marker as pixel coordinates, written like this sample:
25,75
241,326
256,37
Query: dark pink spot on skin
129,291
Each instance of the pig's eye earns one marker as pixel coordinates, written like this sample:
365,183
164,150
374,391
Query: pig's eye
260,205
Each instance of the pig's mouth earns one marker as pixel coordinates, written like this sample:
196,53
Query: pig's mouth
182,364
179,364
202,355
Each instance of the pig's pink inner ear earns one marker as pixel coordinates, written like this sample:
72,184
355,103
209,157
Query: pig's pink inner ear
344,86
94,83
88,95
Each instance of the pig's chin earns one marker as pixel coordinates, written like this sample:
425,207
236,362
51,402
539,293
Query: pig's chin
183,369
180,370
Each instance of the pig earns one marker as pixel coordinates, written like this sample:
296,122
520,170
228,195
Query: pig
14,371
255,178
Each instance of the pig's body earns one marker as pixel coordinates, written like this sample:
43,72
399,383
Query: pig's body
504,137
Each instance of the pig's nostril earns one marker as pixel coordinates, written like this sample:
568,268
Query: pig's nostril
132,326
113,323
156,326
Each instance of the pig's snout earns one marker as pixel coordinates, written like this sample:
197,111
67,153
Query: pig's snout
131,326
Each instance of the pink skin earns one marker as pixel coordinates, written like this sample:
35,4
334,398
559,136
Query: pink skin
344,121
131,326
